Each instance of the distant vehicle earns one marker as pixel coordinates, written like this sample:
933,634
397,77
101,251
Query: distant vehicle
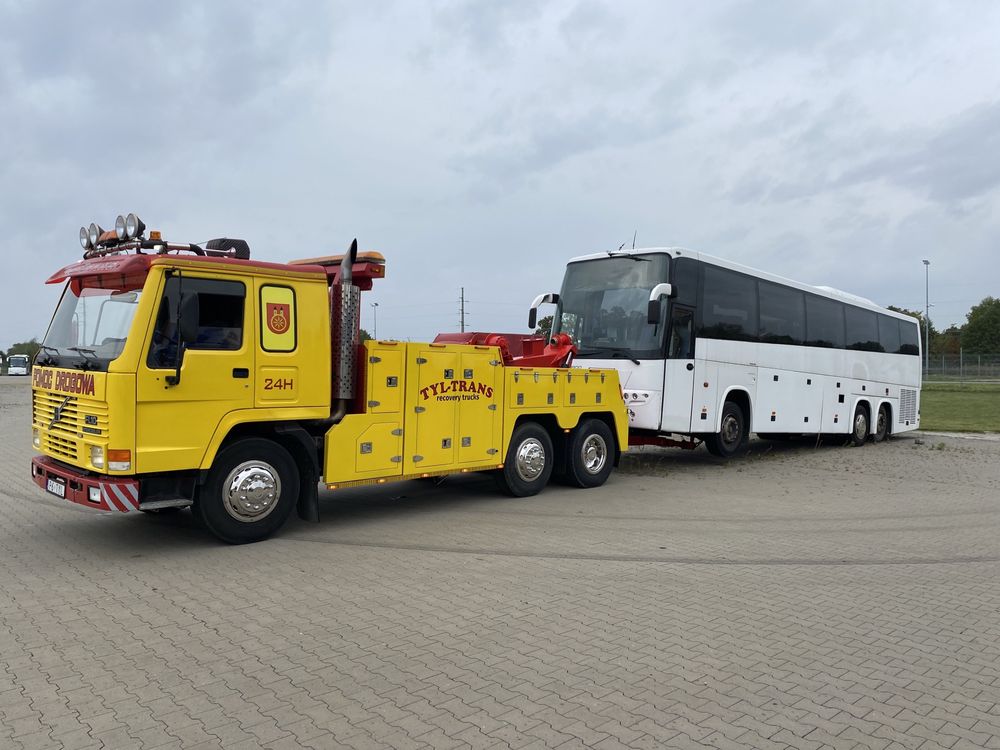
710,350
18,364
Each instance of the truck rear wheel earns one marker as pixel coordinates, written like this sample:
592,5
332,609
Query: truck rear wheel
251,490
528,465
589,456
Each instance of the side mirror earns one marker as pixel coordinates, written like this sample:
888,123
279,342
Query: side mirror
653,309
189,312
540,299
187,332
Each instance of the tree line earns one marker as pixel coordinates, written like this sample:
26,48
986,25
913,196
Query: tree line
980,334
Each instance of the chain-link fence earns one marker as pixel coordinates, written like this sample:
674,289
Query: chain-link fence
958,367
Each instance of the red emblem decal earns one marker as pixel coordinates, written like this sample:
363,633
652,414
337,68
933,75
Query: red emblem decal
277,317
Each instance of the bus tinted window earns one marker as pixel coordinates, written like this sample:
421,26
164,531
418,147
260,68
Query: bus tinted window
824,322
909,337
862,330
888,334
782,314
729,305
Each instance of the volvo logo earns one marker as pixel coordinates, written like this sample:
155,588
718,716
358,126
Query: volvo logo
57,414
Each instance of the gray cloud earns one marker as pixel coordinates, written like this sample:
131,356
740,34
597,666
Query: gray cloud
483,144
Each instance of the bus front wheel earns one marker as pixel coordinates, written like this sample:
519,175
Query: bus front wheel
733,437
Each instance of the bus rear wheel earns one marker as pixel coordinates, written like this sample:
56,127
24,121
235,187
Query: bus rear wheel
859,432
733,437
882,424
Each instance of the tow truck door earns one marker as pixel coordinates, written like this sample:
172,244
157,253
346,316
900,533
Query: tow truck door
175,423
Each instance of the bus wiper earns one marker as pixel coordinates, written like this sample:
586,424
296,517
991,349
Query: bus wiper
619,254
623,353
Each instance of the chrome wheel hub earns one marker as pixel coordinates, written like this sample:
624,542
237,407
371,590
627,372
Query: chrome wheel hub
730,430
530,460
594,454
251,491
860,427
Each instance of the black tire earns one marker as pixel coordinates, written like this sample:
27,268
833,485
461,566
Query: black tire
859,426
590,454
734,437
261,467
528,465
881,424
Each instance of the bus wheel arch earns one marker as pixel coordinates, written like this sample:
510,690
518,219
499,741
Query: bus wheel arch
732,437
883,422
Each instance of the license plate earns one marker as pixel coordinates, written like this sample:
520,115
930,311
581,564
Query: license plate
56,487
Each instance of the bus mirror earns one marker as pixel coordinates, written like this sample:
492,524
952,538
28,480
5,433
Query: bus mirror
653,310
540,299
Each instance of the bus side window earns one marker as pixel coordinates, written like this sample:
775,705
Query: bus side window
681,334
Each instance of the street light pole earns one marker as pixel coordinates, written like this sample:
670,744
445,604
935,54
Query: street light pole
375,320
927,318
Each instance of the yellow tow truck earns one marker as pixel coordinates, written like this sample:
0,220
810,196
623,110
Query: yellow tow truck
175,375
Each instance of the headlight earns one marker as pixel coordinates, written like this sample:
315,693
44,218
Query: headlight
134,226
94,233
120,232
97,456
36,438
84,238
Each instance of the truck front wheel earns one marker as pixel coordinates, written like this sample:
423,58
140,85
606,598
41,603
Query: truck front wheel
251,490
528,465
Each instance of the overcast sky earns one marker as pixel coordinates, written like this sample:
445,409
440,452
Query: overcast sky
482,144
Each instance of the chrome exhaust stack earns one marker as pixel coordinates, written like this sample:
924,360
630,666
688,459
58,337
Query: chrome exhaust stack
345,321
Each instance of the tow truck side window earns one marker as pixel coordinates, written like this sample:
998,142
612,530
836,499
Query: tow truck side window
220,318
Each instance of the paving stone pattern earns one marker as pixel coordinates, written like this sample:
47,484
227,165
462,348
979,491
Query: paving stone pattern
800,598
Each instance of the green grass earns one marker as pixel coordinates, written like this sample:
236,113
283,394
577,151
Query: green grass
956,407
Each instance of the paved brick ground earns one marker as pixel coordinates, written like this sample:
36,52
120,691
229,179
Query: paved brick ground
798,598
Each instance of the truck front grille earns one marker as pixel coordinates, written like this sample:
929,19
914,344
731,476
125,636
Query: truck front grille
63,420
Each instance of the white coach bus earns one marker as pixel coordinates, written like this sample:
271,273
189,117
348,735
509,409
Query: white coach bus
712,350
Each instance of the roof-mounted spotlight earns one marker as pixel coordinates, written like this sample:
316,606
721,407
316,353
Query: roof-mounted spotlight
84,238
134,226
94,234
120,228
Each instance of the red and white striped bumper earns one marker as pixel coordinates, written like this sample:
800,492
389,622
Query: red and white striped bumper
120,495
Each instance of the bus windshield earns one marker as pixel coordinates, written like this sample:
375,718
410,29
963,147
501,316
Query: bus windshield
90,324
603,305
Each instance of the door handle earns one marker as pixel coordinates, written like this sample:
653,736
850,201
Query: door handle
690,365
241,372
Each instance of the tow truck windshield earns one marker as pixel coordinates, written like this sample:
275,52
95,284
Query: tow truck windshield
603,306
90,325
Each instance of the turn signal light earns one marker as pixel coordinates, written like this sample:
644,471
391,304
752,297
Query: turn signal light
119,460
